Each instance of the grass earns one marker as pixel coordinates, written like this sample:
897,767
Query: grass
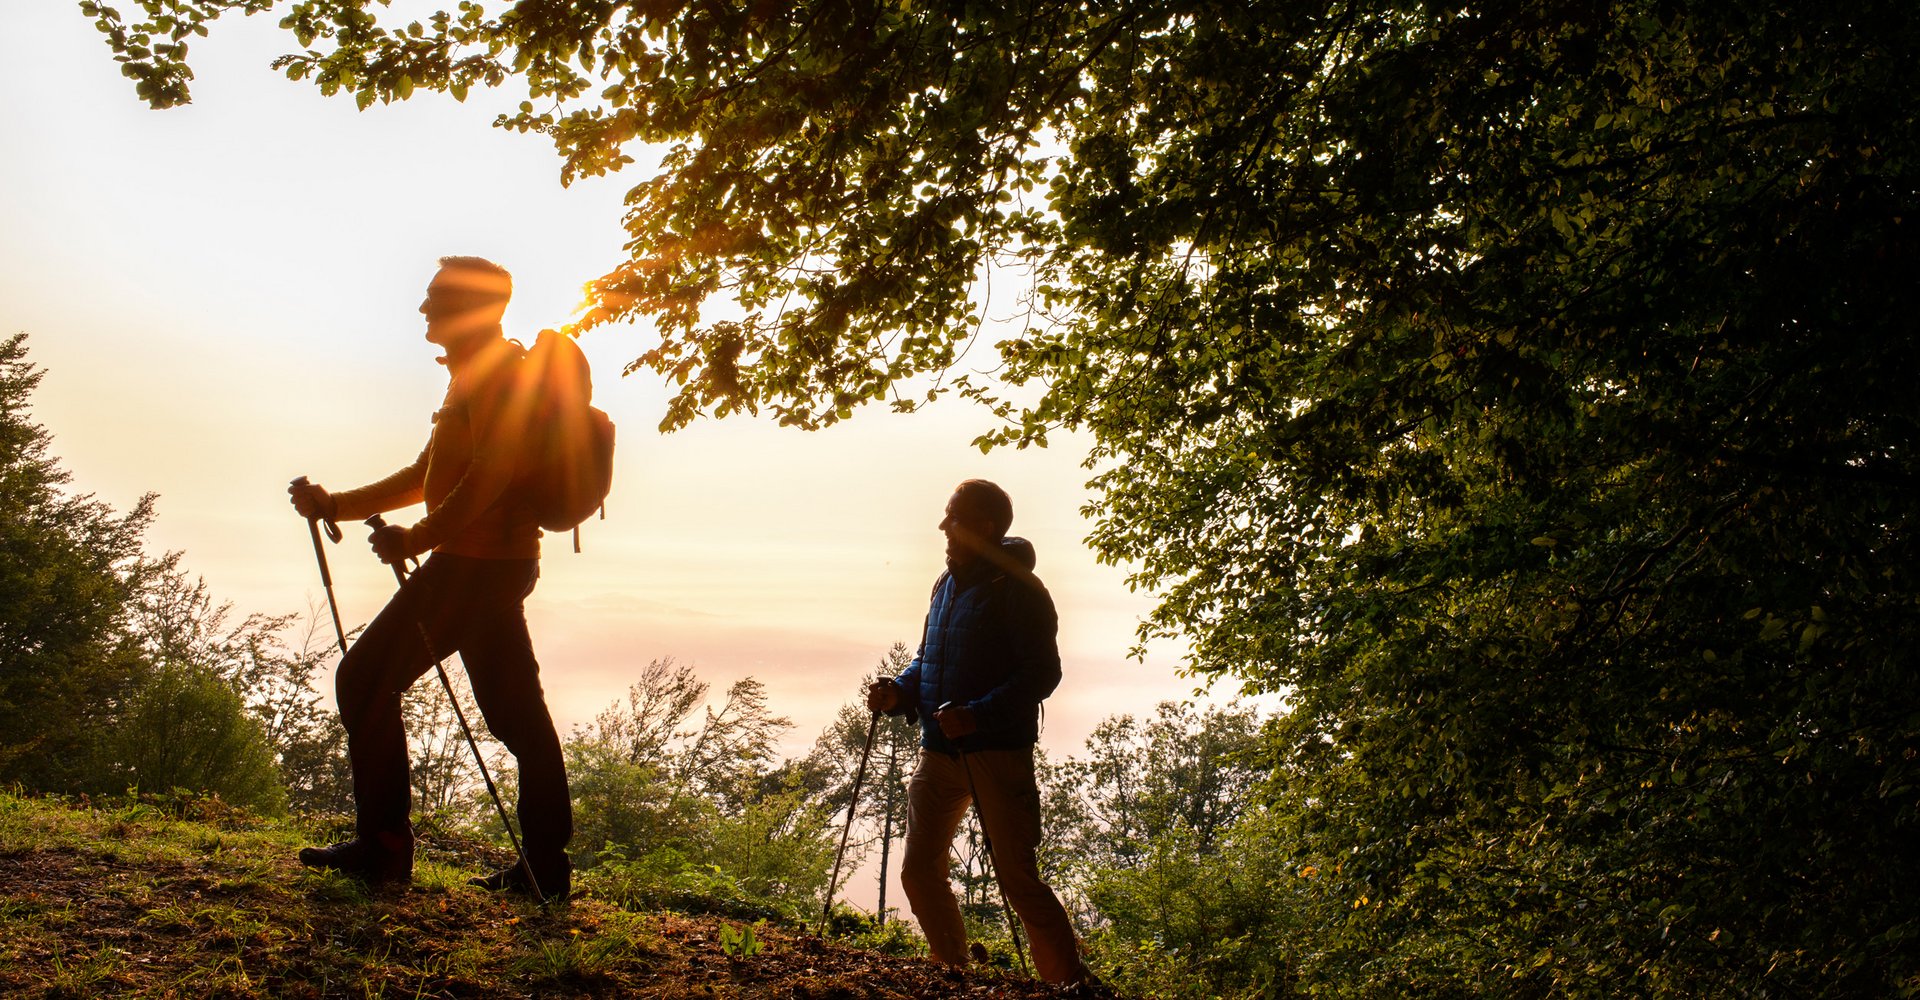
166,899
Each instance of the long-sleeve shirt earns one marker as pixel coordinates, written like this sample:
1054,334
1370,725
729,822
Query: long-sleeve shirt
464,473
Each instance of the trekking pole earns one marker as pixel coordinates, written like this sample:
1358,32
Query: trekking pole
326,578
400,574
853,804
987,840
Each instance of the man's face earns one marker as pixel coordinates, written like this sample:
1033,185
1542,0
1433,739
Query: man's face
461,302
968,533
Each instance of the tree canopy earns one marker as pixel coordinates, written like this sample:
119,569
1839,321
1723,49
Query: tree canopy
1524,388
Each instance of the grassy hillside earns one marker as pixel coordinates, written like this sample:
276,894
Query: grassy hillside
194,899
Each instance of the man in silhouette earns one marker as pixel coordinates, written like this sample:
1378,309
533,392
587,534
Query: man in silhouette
467,598
987,659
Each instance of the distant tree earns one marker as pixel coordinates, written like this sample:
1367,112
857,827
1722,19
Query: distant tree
733,748
1238,918
675,805
69,567
315,769
723,755
106,654
1525,388
618,766
644,774
1182,882
281,681
621,807
778,845
1184,770
658,705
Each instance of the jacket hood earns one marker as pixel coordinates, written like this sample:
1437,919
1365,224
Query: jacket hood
1014,555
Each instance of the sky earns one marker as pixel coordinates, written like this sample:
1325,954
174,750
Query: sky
223,297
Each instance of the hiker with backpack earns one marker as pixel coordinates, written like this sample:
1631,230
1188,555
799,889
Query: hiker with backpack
486,479
987,659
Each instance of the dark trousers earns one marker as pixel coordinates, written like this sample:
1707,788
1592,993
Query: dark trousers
473,607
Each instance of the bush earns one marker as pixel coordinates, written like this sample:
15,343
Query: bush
184,728
857,929
666,879
1189,923
778,847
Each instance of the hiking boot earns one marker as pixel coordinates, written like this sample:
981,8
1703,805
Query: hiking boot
556,880
386,858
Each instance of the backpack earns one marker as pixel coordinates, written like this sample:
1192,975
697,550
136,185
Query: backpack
566,465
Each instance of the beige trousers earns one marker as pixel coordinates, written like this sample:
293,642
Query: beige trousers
937,801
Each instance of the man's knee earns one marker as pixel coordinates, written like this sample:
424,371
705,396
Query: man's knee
522,725
357,689
1028,892
920,865
923,871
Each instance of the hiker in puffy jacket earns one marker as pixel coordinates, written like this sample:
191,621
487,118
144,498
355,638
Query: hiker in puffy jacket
468,598
986,661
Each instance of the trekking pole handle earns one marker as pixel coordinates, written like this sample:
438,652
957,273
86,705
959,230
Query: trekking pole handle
959,745
399,569
333,530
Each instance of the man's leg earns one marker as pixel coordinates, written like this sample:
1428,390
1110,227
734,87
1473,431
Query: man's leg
379,667
1010,809
937,800
500,662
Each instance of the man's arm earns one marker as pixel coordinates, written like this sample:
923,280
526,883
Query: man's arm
906,686
402,489
907,692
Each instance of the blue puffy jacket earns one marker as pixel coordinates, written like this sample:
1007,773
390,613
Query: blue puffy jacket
989,645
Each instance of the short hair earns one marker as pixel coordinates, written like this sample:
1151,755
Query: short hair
494,284
989,501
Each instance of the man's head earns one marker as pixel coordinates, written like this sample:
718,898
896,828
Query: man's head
467,297
978,516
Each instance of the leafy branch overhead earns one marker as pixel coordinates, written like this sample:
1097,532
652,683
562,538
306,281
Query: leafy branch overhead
1525,390
798,176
